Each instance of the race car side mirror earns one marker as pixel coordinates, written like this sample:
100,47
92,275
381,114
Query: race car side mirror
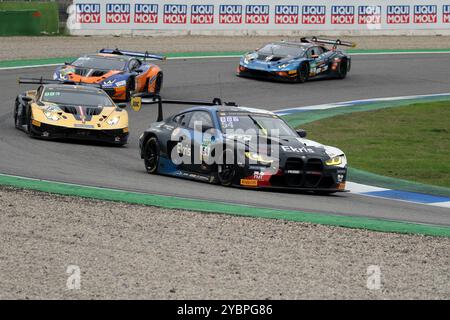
301,133
121,105
27,99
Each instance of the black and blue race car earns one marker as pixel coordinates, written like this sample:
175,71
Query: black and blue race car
227,144
297,61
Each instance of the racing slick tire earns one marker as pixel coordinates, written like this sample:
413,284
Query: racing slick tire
303,72
159,83
129,89
16,115
342,70
226,172
151,155
29,120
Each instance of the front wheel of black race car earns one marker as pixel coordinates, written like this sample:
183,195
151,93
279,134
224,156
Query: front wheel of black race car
303,72
151,155
343,69
226,171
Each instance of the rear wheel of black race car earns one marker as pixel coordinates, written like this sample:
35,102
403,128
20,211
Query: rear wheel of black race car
342,71
303,72
226,172
151,155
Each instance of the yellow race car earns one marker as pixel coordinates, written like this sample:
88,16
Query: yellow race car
66,110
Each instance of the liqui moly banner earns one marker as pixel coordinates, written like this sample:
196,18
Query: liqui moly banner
313,15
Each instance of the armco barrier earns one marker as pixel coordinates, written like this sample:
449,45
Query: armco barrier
45,12
375,16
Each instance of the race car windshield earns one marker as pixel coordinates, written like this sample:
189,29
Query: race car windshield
101,63
256,122
280,50
72,97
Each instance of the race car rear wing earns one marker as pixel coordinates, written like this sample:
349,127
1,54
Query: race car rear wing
335,43
145,55
53,81
160,102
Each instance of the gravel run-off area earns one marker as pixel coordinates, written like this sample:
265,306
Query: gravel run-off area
130,251
48,47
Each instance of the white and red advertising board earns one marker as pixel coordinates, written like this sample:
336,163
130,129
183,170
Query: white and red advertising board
320,15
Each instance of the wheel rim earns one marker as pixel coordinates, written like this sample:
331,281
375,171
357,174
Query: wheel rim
226,173
151,157
303,72
343,69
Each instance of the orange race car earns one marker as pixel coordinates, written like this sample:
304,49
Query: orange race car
120,73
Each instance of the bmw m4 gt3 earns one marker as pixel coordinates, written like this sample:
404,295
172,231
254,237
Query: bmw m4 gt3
299,61
238,146
56,110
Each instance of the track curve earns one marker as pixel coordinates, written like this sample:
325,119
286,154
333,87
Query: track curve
121,168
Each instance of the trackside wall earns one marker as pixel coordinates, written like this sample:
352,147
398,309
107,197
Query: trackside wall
259,17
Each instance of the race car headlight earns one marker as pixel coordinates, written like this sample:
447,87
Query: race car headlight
336,161
249,56
108,83
284,65
258,157
51,113
113,121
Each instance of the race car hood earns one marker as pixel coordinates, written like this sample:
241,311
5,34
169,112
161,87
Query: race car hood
84,114
85,75
288,145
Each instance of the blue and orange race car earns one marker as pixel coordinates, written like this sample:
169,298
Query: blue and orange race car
120,73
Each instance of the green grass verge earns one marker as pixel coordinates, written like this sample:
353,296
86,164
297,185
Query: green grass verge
49,19
410,142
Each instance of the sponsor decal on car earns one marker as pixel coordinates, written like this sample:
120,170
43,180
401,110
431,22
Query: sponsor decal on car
342,14
297,149
202,14
249,182
446,14
257,14
313,14
425,14
145,13
369,15
175,14
118,13
230,14
88,13
286,14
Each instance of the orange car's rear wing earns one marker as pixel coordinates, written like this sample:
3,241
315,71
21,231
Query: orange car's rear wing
145,55
335,43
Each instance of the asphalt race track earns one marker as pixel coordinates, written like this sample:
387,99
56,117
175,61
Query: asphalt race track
372,76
